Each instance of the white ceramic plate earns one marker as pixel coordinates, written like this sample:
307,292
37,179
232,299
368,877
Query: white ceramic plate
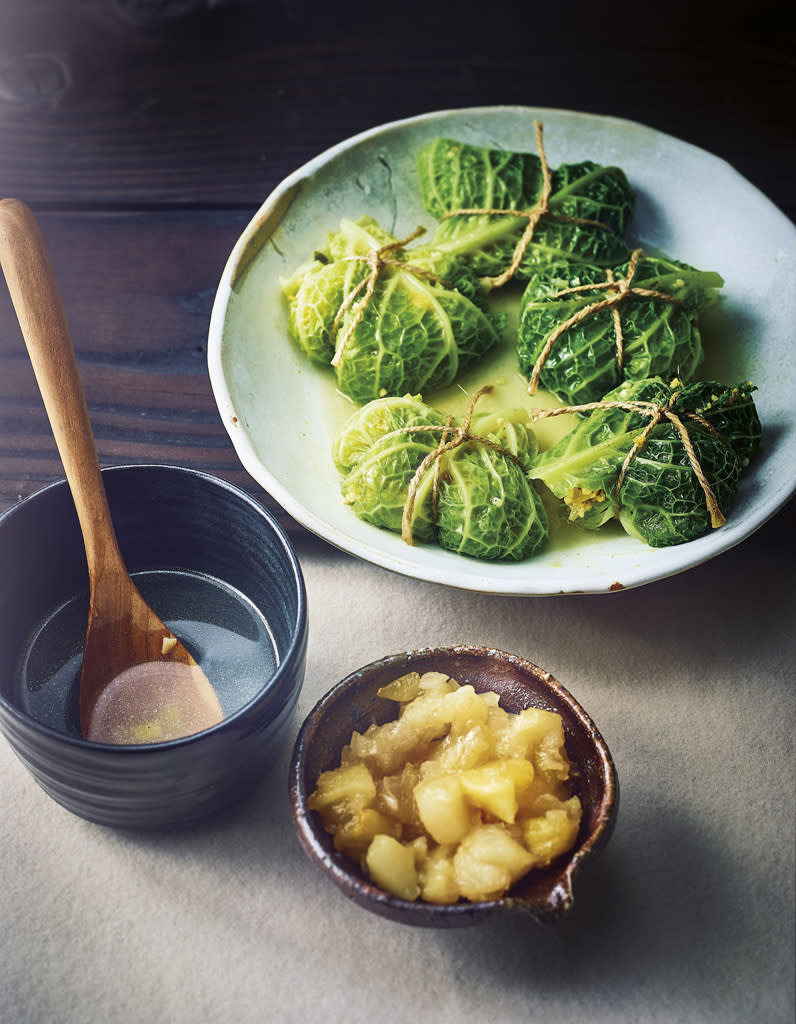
282,413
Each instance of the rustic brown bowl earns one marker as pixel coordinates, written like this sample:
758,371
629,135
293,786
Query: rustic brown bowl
353,704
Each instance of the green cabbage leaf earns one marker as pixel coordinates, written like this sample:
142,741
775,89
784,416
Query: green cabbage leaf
424,323
373,421
459,176
731,411
486,505
661,500
659,337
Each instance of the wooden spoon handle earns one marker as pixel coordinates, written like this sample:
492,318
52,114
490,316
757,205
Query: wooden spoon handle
37,300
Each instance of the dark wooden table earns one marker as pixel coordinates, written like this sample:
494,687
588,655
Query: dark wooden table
145,133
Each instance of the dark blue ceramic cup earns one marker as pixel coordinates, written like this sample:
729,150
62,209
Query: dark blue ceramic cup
220,571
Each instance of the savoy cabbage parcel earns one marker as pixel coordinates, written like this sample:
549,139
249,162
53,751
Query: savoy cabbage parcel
474,497
607,467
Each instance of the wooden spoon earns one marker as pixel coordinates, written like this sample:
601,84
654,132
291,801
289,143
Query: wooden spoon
138,683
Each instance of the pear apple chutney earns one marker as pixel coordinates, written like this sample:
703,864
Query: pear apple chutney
456,798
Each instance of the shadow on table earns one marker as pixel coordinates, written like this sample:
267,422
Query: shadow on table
662,930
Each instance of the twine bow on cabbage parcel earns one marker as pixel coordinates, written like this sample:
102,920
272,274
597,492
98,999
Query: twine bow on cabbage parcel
657,414
620,290
378,260
541,208
451,437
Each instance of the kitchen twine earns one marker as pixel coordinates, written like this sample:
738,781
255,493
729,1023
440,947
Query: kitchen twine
657,414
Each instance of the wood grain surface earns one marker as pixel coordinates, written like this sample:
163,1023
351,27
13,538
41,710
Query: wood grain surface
145,133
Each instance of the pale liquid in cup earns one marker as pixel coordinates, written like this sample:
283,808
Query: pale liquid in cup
226,634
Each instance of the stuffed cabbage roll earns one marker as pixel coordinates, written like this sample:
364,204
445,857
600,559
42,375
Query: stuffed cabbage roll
661,499
454,175
660,331
485,505
424,323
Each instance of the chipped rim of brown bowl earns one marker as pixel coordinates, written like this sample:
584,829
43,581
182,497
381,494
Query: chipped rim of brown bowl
544,894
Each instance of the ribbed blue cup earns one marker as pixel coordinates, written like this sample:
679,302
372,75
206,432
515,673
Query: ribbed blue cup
165,517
